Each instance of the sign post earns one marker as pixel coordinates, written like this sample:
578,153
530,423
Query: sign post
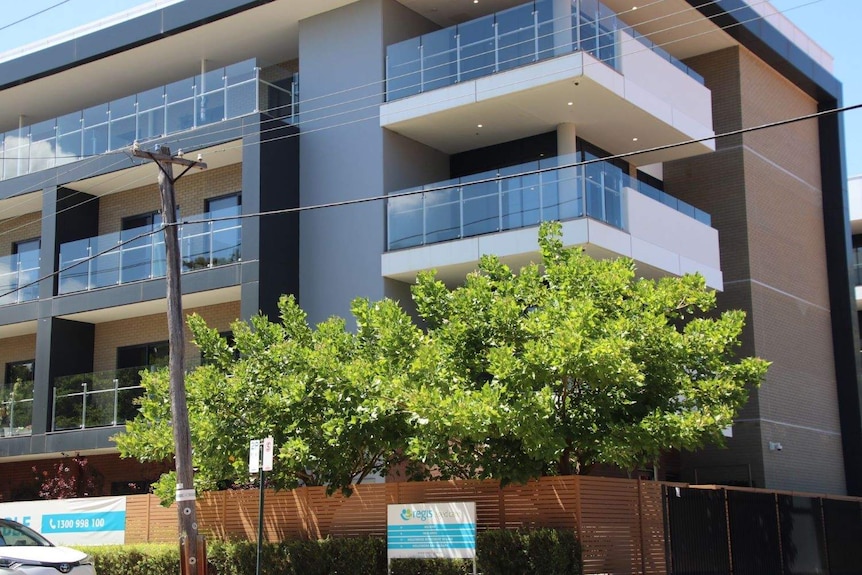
259,465
431,530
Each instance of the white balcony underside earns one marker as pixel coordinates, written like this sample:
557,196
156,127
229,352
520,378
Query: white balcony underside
654,102
661,240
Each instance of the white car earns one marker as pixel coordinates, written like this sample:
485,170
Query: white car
25,552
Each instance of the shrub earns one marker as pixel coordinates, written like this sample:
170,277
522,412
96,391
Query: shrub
506,552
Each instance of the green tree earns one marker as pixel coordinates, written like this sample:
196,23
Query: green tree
569,364
565,365
323,393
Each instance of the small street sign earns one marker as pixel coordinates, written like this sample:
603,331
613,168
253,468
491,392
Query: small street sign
254,456
267,453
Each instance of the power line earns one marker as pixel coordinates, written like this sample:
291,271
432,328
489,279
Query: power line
381,197
33,15
376,105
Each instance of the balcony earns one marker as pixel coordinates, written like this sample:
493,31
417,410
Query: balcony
216,96
449,225
18,274
206,241
16,409
100,399
526,70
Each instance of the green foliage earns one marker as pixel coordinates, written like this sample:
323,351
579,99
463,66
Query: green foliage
562,366
324,394
136,559
570,364
525,552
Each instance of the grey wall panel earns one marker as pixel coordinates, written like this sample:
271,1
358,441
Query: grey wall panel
344,153
341,158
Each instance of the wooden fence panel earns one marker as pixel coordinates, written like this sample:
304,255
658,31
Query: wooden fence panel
610,525
652,527
619,522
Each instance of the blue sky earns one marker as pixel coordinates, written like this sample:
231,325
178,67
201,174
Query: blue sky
834,24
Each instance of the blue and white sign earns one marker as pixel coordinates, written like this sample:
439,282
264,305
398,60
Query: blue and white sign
428,530
87,521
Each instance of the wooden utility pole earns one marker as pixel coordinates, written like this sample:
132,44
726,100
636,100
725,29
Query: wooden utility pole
192,548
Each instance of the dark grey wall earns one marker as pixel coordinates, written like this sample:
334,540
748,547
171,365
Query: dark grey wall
270,182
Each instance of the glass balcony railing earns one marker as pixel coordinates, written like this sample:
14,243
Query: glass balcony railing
98,399
93,263
17,274
215,96
509,39
16,409
516,197
856,271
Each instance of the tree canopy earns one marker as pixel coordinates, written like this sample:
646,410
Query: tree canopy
564,365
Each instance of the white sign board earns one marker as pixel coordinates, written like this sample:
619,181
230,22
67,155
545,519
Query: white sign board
428,530
86,521
254,456
267,453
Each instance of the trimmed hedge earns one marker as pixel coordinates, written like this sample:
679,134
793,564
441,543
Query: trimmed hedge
504,552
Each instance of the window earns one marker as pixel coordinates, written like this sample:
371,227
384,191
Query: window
151,355
226,233
22,370
144,257
28,267
16,398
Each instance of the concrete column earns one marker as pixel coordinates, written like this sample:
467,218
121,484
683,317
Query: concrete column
570,196
567,139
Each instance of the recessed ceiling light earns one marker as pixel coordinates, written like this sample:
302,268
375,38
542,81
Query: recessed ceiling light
478,125
475,1
634,139
571,103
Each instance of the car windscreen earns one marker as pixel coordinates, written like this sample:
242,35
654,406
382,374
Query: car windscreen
15,534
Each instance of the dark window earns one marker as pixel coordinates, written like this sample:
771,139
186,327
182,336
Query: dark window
150,355
22,370
151,220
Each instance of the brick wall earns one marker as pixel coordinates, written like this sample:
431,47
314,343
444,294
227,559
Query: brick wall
20,228
153,328
19,348
192,190
763,191
18,479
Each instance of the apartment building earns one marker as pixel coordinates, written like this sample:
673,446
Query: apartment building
479,119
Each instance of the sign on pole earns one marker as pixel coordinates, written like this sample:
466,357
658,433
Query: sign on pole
431,530
267,453
254,456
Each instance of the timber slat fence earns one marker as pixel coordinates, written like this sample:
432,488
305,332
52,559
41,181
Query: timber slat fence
625,526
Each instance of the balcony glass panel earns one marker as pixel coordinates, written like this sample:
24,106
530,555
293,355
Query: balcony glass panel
505,40
481,204
16,409
516,197
218,95
476,54
135,254
17,271
439,64
98,399
856,272
403,66
520,198
516,37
